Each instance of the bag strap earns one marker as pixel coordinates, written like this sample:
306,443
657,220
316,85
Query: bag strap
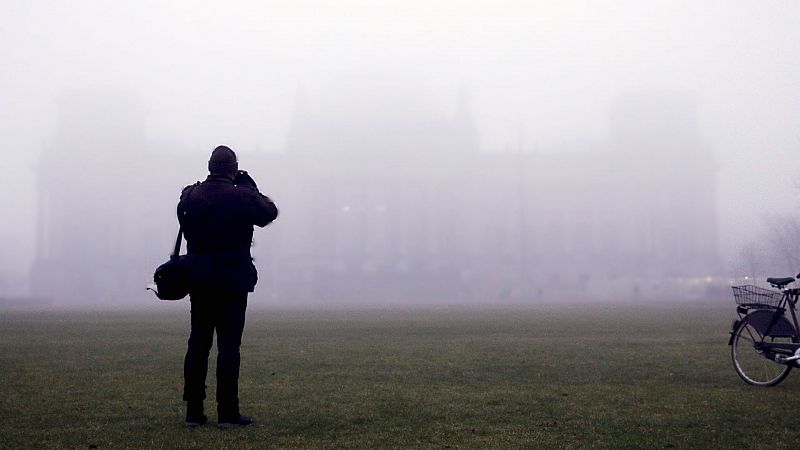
177,250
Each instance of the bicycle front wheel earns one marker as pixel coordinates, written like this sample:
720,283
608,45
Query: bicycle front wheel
751,363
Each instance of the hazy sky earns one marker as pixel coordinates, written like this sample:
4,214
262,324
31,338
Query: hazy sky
212,72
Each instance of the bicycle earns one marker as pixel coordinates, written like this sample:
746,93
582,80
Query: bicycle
765,345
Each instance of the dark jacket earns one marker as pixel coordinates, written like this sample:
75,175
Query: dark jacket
217,219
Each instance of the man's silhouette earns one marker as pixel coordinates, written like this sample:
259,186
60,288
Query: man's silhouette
217,217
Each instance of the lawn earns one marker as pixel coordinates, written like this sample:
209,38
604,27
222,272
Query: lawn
619,375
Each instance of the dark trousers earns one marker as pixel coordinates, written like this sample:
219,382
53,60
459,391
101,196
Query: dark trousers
223,312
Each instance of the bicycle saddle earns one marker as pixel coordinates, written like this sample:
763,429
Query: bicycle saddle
780,282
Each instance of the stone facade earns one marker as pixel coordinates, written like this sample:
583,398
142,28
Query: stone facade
404,208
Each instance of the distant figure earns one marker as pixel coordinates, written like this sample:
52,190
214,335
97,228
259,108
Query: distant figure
217,217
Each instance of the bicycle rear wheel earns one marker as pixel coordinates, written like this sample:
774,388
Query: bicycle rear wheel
752,364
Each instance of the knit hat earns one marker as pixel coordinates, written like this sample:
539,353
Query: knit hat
223,161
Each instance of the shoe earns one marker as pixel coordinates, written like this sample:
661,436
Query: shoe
239,421
194,414
196,421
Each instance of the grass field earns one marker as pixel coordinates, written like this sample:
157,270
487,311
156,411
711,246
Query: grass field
608,376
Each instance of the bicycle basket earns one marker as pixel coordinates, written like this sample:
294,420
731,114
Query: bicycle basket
756,297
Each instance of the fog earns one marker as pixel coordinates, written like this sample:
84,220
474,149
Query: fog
445,152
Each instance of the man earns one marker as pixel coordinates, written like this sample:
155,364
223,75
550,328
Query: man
217,218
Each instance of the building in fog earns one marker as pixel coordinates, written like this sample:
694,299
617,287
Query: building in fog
407,206
395,202
105,202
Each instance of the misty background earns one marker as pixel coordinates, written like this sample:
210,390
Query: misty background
477,151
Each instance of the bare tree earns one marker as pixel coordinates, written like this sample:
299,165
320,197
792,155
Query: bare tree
784,240
748,261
